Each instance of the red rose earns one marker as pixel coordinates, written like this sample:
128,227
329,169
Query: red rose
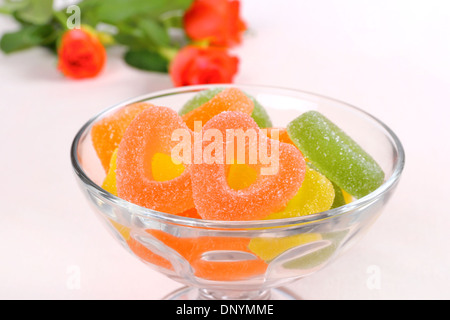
81,54
197,65
215,20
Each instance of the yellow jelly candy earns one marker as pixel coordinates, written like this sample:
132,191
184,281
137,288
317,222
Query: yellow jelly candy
315,195
241,176
109,184
124,231
164,169
347,196
269,248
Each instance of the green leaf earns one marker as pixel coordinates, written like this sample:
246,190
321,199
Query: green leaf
36,12
9,7
147,60
114,11
27,37
155,32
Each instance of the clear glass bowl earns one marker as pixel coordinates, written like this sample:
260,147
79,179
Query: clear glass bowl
213,259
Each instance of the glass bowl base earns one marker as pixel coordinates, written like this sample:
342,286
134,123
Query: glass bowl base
192,293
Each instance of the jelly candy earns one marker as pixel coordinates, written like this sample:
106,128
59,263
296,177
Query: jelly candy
199,99
241,176
268,248
148,255
335,154
161,166
321,255
315,195
281,135
227,100
258,113
108,132
216,200
204,254
339,199
149,134
164,169
109,184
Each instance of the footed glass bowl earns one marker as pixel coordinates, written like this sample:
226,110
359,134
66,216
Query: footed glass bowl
248,259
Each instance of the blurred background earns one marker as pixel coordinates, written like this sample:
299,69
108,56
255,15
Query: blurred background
390,58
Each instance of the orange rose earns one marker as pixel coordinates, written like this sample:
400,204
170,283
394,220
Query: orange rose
196,65
81,54
215,20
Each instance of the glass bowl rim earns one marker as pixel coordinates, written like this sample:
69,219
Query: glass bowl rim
192,222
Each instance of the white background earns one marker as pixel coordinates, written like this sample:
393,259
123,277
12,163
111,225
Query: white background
390,58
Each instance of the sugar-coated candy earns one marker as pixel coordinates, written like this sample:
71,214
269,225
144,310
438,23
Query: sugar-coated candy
164,169
280,134
335,154
241,176
321,255
231,99
109,184
259,114
196,250
150,133
339,199
148,255
315,195
123,230
268,248
108,132
216,200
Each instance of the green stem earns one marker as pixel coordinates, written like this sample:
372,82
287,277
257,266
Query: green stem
61,18
168,53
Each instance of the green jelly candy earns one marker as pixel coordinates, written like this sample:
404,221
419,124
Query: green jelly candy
339,199
335,154
259,113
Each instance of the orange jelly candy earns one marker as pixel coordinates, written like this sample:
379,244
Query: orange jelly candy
108,132
204,255
150,133
281,134
282,177
231,99
147,255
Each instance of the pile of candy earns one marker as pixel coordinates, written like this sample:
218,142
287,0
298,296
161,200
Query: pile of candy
318,167
135,146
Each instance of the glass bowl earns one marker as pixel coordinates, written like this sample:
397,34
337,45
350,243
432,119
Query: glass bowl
243,259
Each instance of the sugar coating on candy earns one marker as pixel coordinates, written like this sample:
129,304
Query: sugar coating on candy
231,99
148,134
259,113
193,250
315,195
108,132
199,99
216,200
268,248
280,134
335,154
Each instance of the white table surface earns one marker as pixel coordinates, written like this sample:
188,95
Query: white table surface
391,58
